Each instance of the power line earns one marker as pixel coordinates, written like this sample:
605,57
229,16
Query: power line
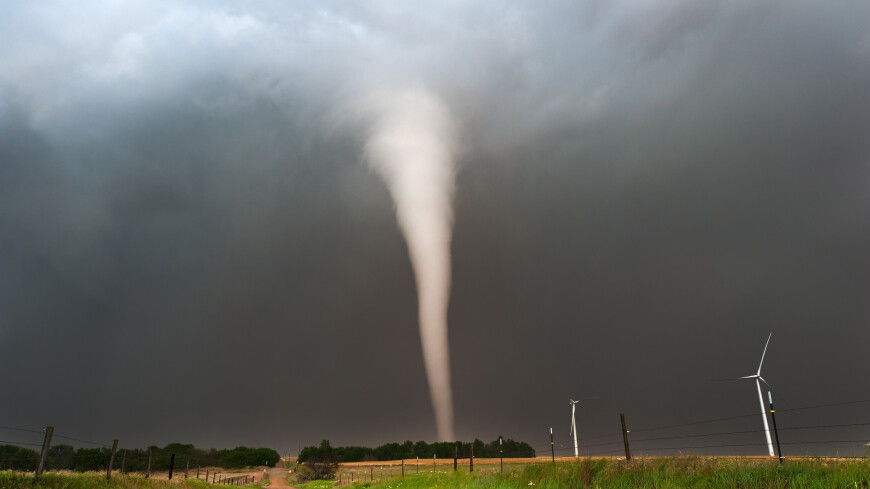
724,433
562,447
21,429
637,430
693,423
825,405
865,440
824,426
82,441
752,444
21,443
566,445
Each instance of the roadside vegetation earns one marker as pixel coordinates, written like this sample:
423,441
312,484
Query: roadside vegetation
54,480
65,457
659,473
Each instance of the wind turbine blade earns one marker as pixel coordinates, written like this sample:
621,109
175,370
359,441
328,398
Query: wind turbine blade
749,377
724,380
763,353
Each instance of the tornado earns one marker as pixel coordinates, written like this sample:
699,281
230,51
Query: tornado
412,146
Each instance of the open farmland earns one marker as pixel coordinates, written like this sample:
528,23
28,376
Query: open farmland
606,473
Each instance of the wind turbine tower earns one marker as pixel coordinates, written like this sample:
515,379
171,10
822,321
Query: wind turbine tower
758,380
574,423
574,427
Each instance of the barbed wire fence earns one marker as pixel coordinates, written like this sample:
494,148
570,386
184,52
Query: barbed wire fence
654,441
658,440
653,445
35,457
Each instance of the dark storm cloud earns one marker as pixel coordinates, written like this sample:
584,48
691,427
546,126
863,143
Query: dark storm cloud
192,249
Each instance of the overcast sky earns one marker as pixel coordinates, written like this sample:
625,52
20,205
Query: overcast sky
193,249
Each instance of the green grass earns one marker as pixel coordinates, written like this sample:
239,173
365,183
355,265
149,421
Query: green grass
662,473
17,480
316,484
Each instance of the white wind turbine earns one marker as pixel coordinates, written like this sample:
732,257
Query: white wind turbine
574,423
758,380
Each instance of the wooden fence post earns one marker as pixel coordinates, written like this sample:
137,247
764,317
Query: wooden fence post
625,438
123,459
46,443
111,460
471,459
186,468
148,470
171,465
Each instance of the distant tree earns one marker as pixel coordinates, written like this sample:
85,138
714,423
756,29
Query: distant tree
18,458
408,449
515,449
444,449
421,449
353,454
318,463
480,449
60,457
323,452
89,459
389,451
26,459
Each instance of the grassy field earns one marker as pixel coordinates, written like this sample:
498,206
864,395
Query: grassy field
659,473
18,480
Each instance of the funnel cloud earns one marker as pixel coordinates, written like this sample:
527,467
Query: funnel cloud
195,191
412,147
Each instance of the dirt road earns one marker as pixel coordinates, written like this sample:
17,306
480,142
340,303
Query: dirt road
278,478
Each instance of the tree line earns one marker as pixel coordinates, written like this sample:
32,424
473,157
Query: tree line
395,451
66,457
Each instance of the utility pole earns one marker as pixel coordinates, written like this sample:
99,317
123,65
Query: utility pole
775,432
500,454
625,438
552,447
46,443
